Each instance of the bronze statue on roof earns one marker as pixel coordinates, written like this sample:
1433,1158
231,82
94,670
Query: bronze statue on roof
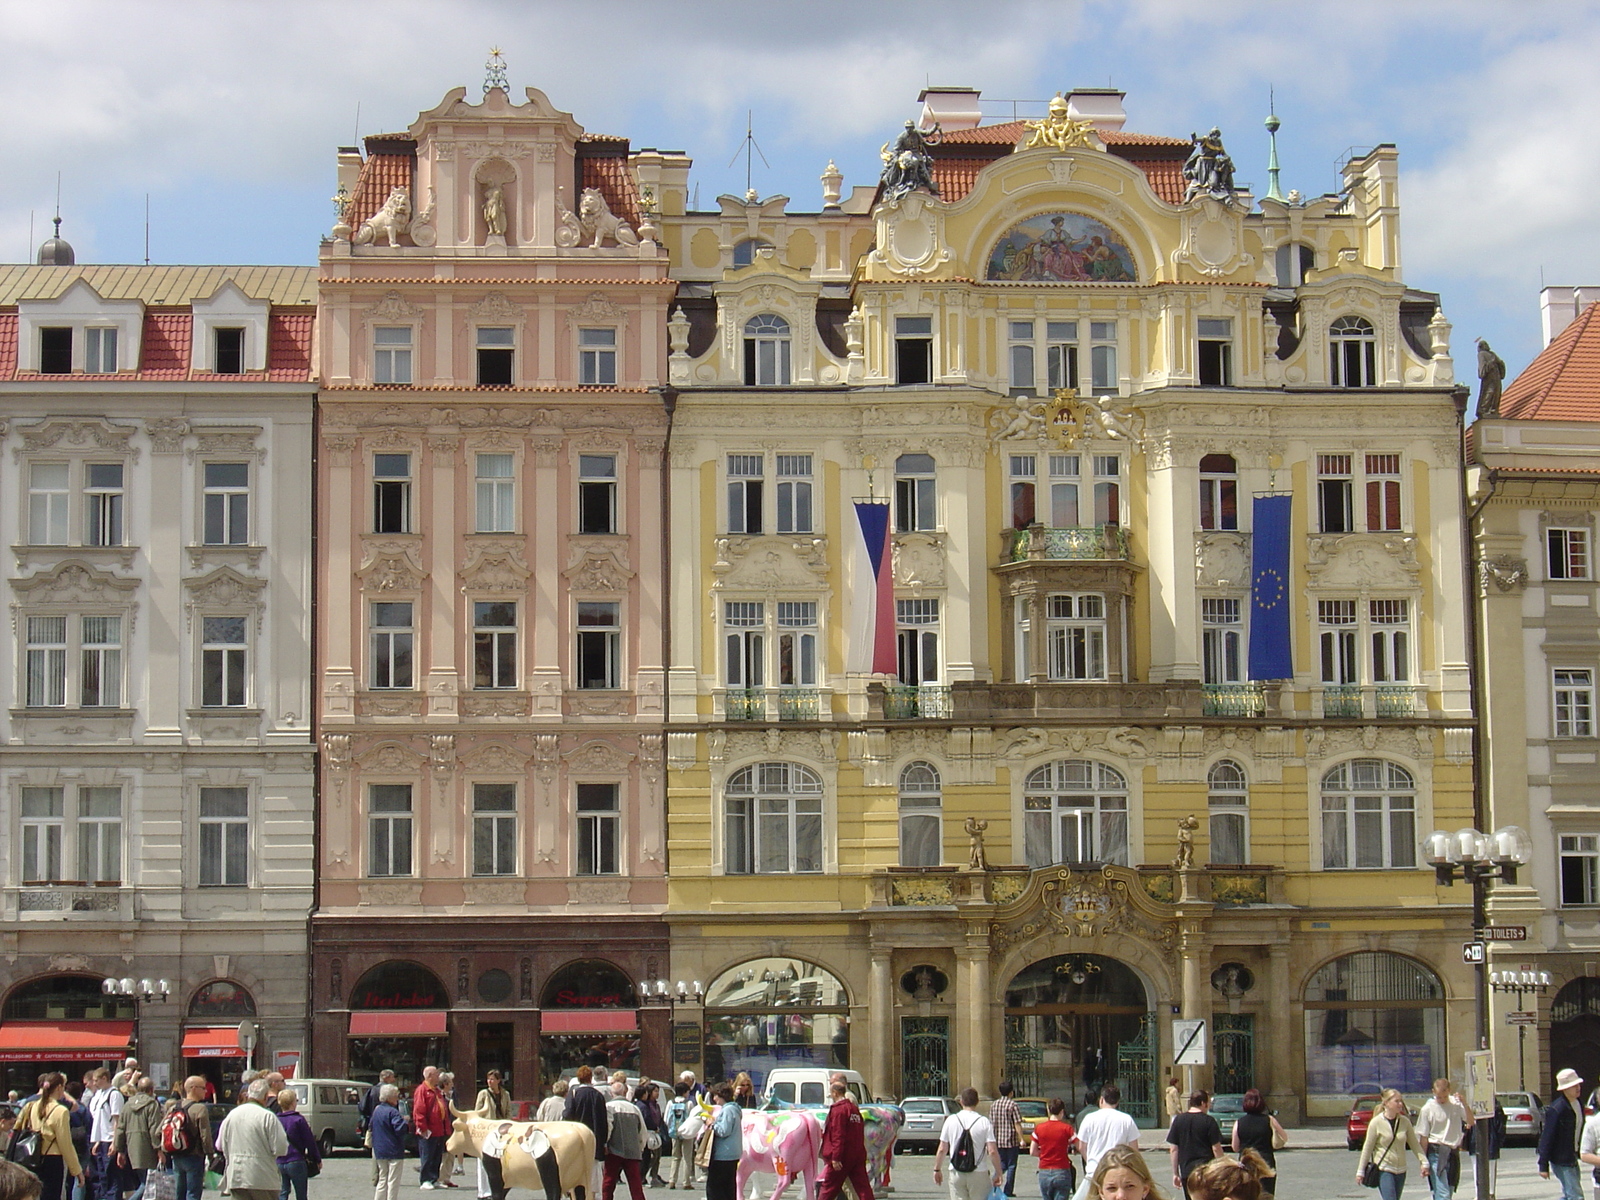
907,165
1208,171
1491,374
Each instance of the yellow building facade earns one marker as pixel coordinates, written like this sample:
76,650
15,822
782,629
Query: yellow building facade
948,839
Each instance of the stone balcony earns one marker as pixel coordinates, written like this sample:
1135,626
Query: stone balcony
977,703
69,900
1041,542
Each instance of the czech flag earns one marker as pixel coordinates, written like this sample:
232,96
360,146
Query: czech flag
872,636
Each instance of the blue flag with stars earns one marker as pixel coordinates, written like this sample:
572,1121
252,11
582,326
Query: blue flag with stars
1270,656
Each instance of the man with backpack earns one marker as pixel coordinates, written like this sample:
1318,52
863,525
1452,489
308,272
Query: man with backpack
966,1139
682,1133
186,1140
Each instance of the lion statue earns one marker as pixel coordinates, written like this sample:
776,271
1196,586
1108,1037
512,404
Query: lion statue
598,222
393,219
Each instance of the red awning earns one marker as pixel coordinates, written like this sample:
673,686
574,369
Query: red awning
212,1043
589,1020
413,1023
70,1041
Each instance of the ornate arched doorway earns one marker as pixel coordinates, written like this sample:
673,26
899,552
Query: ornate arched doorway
770,1012
1575,1030
1076,1022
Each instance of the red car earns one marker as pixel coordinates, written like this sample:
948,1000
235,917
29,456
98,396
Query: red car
1355,1125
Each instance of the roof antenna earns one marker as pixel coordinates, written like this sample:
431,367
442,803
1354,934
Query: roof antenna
1272,123
356,140
147,229
29,254
746,148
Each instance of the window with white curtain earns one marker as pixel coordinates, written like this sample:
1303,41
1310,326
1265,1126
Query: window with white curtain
921,823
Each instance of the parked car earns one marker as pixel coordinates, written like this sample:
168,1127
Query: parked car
333,1109
1031,1110
1355,1126
924,1119
809,1086
1524,1115
1227,1108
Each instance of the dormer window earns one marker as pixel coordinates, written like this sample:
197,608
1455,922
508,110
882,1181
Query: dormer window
55,350
766,351
744,253
228,350
100,350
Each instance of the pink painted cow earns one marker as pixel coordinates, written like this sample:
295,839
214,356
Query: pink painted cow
785,1144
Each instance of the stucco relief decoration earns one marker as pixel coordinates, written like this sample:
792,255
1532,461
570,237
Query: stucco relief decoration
423,232
773,566
596,307
1504,572
390,566
1108,903
242,440
918,561
911,235
390,758
68,962
598,568
569,230
495,307
442,754
495,567
74,582
1362,560
393,307
76,435
225,588
1221,559
598,758
1212,239
1062,247
494,706
494,758
166,434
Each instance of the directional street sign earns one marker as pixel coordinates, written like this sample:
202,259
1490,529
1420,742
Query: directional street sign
1504,933
1472,953
1522,1018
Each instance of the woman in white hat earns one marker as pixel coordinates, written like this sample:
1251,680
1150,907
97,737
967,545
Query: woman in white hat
1558,1142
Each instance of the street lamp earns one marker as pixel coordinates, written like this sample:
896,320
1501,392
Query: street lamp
136,990
659,991
1478,858
1520,984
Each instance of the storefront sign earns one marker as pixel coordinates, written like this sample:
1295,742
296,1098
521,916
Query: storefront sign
686,1044
285,1061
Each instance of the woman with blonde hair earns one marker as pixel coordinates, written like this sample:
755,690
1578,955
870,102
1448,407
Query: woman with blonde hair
744,1092
554,1106
1389,1133
1242,1178
1123,1175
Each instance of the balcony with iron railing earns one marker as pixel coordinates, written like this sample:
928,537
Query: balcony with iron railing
775,704
1038,542
1236,699
902,702
1383,701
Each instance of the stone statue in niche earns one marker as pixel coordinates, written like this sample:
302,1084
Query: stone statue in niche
494,210
390,221
1491,374
907,165
1208,171
598,222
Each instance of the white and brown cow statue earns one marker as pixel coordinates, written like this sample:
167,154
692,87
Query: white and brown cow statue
555,1157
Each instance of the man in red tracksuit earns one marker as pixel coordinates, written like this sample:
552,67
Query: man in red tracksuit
844,1148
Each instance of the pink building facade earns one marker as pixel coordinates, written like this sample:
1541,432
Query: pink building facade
489,648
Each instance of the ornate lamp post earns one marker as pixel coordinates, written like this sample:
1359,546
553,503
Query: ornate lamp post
137,990
1520,984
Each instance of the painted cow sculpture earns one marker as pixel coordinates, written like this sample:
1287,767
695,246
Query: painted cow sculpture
556,1157
766,1144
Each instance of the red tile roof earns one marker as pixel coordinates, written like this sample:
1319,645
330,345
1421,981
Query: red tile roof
167,333
380,175
1563,382
957,176
8,344
289,344
1121,137
1006,134
1165,176
611,175
955,170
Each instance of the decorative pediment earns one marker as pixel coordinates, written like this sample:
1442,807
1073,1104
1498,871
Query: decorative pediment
76,582
390,565
390,758
80,433
595,565
393,307
1110,902
1362,560
496,759
495,307
224,588
771,563
243,441
1222,559
598,757
495,566
596,307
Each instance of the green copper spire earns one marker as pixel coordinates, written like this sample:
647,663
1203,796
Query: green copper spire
1272,123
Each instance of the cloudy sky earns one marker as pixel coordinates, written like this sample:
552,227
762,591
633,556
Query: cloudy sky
227,112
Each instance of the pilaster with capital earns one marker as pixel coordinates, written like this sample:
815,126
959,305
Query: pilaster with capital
1281,1027
880,1022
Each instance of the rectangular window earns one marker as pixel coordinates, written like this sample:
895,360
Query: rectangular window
496,356
599,829
1336,620
597,493
392,641
744,622
1580,870
1061,354
915,498
226,503
497,492
1574,703
391,493
102,504
1222,640
494,829
1021,356
49,495
1368,831
391,354
1390,623
745,473
597,357
1024,469
101,647
1569,553
1334,487
494,644
1076,637
55,351
1214,352
794,493
223,652
1103,358
389,829
224,836
797,643
913,350
917,640
100,834
228,345
1219,492
1107,489
1383,491
599,644
47,662
1064,481
100,350
43,832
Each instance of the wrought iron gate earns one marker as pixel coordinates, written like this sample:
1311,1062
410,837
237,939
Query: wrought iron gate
1136,1071
924,1056
1022,1057
1234,1036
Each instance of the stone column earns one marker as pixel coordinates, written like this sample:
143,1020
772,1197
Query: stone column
972,962
1196,1005
880,1025
1280,1034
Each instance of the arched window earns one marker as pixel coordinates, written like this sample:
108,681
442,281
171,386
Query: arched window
588,983
1230,813
772,820
777,1012
766,351
1352,353
744,253
921,827
1293,261
1373,1020
396,985
222,998
1369,816
1219,492
1075,811
65,998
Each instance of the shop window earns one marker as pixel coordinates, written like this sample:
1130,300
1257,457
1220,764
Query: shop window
771,1012
588,983
1372,1018
65,997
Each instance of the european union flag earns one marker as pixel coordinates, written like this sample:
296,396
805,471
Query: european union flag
1270,655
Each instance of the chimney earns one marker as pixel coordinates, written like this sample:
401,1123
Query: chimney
1101,107
950,108
1560,306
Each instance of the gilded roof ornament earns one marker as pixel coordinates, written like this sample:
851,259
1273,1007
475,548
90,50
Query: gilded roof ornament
495,73
1059,130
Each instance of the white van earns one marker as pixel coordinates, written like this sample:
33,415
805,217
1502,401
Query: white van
809,1085
332,1107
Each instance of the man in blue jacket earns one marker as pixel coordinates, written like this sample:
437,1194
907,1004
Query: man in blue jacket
388,1129
1558,1143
